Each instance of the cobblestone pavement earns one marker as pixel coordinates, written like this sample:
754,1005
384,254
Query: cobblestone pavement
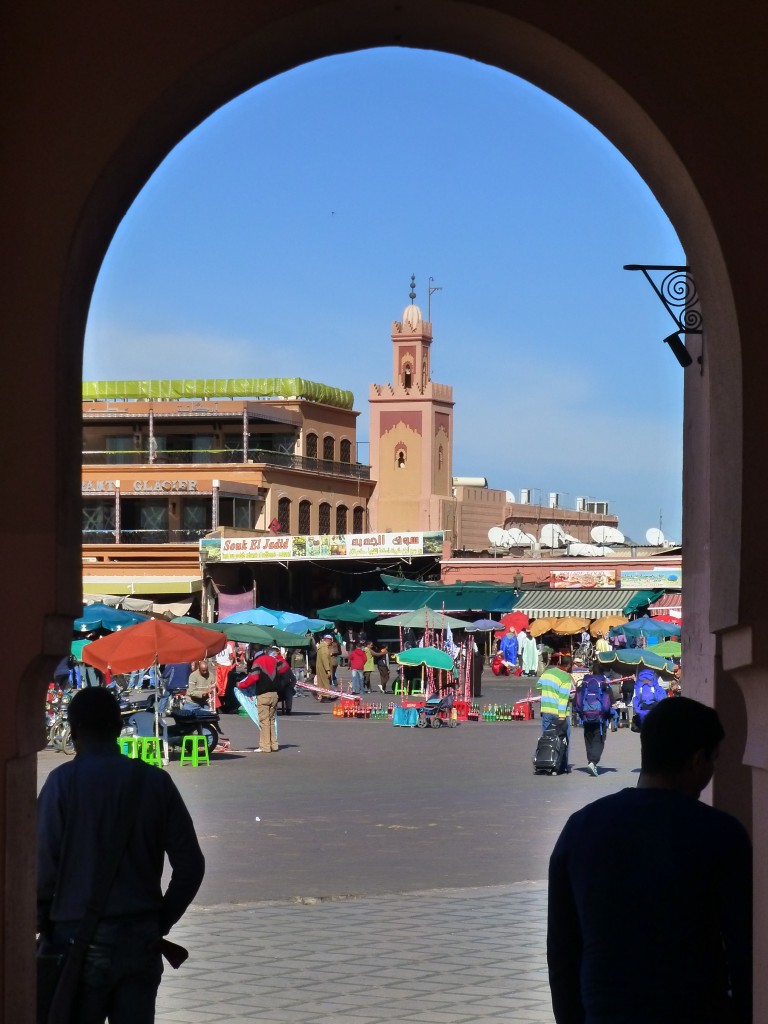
367,873
455,956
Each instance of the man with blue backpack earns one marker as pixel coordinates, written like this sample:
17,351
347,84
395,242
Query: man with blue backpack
648,691
593,706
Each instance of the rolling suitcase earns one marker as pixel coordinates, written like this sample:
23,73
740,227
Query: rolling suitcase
551,756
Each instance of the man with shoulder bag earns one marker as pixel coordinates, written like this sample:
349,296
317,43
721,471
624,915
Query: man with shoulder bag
105,825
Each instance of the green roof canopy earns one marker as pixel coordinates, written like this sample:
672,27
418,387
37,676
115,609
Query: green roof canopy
452,598
220,387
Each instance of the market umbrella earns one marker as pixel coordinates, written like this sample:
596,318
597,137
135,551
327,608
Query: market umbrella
483,625
432,657
301,624
648,626
669,649
152,642
102,616
348,611
512,620
248,632
540,626
76,648
601,626
569,625
257,616
424,618
636,657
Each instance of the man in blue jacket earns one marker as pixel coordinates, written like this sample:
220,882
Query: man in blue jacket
508,649
687,927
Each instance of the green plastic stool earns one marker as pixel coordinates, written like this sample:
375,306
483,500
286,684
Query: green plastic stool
151,750
129,745
194,750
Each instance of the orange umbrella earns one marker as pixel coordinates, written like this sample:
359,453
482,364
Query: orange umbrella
540,626
568,625
151,642
606,622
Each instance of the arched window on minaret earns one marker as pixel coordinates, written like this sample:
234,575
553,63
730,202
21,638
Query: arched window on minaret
407,376
440,457
424,375
401,456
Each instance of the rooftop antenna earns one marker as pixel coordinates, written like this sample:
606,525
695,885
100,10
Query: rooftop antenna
430,291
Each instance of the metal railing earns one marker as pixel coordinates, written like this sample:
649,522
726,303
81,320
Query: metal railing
229,456
144,536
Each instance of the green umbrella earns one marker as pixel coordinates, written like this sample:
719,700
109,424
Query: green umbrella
638,657
432,657
250,633
76,647
669,649
424,618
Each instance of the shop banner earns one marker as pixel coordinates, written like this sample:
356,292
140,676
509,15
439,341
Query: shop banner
582,579
651,579
349,545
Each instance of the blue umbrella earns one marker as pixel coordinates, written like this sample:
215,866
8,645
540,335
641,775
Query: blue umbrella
301,624
485,625
101,616
255,616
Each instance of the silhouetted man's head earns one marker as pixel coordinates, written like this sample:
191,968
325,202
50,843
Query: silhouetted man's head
681,737
94,714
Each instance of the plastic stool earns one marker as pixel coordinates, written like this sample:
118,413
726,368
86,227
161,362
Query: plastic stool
194,750
151,750
400,687
129,745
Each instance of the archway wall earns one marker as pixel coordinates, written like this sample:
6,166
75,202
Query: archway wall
94,96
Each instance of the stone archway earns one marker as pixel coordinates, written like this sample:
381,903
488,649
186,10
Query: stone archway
98,96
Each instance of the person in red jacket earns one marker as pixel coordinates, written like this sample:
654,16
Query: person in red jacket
263,683
357,660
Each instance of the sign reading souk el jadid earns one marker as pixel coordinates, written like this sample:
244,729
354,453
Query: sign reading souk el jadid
347,545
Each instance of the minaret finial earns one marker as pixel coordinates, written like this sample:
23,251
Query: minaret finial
412,295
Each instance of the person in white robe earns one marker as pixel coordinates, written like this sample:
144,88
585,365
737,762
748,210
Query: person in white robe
529,652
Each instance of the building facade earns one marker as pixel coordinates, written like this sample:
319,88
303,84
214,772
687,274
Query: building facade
166,462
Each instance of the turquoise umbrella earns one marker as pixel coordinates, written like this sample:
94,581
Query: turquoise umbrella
432,657
101,616
635,658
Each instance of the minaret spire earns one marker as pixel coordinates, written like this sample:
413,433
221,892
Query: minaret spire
412,294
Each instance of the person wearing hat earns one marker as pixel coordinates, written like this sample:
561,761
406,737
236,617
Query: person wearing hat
324,667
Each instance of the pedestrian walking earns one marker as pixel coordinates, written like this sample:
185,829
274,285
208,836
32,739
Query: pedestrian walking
369,666
382,664
593,706
357,660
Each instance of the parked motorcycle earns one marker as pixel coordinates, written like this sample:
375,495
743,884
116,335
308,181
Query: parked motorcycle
188,719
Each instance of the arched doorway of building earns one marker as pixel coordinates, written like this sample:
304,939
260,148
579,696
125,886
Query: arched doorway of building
148,119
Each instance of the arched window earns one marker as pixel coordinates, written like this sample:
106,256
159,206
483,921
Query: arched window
440,457
358,521
345,450
324,518
329,449
424,374
341,519
305,514
284,514
401,456
311,446
407,376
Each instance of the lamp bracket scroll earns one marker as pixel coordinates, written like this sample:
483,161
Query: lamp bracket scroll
676,290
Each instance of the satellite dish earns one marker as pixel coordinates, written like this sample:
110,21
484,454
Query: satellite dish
531,539
510,498
654,536
517,539
606,535
497,536
568,539
550,535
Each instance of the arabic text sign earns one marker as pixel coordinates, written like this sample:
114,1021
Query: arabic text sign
350,545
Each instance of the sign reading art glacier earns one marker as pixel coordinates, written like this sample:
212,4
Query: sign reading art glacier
347,545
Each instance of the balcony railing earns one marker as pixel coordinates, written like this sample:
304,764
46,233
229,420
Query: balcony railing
144,536
229,456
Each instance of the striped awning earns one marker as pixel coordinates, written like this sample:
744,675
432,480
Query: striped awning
668,604
589,604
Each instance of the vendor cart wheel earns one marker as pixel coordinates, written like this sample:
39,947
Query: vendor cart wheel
422,722
436,722
453,722
211,736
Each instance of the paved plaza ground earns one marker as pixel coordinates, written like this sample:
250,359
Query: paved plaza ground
370,873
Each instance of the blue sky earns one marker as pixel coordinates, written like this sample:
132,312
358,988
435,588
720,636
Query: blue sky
278,239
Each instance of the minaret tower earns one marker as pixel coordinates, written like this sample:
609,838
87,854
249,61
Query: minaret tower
411,431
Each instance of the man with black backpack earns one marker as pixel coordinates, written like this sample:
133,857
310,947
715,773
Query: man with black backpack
593,706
